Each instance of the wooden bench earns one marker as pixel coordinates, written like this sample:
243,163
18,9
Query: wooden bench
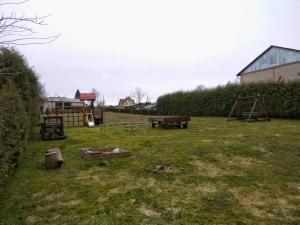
170,121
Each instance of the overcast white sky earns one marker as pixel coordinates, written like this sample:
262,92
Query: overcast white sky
158,45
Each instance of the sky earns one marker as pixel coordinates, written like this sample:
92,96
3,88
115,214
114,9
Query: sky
161,46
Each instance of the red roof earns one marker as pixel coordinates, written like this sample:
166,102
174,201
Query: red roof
87,96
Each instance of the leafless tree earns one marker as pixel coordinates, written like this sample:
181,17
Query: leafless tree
200,87
148,99
102,103
138,94
21,29
98,96
43,91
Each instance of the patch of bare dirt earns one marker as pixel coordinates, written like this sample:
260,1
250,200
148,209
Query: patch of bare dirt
118,183
39,194
224,165
254,202
74,202
245,162
44,208
31,220
174,210
206,188
102,199
147,211
236,160
257,204
295,186
90,177
126,182
60,199
55,197
262,149
211,169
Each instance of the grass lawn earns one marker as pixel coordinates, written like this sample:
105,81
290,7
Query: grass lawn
220,173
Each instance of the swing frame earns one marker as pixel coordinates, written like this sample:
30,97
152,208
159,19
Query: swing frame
251,116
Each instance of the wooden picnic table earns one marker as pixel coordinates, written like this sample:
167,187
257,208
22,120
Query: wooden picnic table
170,121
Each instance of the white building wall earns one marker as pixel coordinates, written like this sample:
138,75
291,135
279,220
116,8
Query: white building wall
290,72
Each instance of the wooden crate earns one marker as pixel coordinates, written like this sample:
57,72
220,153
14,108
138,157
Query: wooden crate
106,153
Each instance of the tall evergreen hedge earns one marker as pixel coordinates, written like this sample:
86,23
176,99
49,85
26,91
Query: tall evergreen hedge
281,100
19,99
13,130
16,70
131,111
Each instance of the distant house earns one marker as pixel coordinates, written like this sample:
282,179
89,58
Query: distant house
274,64
150,106
145,105
51,103
126,102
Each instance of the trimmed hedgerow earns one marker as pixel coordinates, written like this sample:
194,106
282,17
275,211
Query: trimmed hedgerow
19,99
13,130
132,111
15,70
281,100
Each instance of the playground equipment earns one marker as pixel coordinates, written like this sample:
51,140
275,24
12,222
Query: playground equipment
74,112
98,116
89,119
72,115
92,116
248,109
52,127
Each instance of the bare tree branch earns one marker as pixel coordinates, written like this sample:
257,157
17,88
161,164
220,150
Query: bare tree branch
138,94
20,30
22,35
13,3
14,41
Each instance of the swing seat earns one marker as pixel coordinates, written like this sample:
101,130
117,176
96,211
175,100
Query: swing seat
245,115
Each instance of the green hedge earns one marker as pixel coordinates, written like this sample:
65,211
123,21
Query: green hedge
132,111
13,130
281,100
16,70
19,99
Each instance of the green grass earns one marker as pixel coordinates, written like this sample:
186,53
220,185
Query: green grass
220,173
